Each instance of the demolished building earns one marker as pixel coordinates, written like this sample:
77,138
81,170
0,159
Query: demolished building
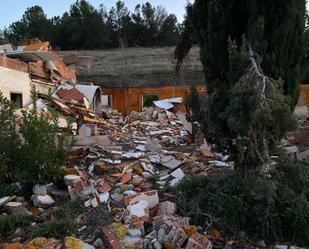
128,99
118,173
36,65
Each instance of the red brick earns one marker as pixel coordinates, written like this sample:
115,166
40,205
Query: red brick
110,238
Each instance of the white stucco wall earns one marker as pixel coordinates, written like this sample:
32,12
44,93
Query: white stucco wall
42,87
13,81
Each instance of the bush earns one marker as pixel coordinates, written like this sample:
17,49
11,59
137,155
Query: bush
44,151
9,223
273,208
54,229
40,157
9,190
63,222
9,141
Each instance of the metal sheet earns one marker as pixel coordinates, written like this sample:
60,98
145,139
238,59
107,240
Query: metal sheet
28,56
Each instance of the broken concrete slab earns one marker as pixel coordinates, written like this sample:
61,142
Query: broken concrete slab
170,162
167,208
70,179
178,173
139,210
39,189
198,241
42,201
88,141
151,197
6,199
182,118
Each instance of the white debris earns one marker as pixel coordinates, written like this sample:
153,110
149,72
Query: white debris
134,155
178,173
104,197
43,201
139,209
168,103
110,161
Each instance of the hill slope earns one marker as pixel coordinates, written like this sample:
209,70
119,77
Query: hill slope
136,67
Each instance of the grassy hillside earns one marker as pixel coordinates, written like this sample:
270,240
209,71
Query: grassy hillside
139,67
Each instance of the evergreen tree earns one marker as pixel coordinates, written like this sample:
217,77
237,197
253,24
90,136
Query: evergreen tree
137,27
169,31
275,29
119,17
85,27
150,24
34,23
82,28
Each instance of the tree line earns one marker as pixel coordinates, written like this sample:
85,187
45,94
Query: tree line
85,27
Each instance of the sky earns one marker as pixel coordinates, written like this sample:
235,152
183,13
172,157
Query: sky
12,10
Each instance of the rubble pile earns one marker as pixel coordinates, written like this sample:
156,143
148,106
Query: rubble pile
120,180
119,170
144,155
296,143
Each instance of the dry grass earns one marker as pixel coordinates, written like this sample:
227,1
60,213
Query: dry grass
139,67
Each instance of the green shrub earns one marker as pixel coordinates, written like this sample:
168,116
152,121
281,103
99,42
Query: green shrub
273,208
63,224
9,223
44,151
54,229
69,210
9,141
9,190
37,158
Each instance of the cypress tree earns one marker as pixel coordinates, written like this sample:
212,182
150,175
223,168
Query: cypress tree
274,29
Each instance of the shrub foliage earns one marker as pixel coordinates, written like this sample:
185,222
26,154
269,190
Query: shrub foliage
33,153
273,207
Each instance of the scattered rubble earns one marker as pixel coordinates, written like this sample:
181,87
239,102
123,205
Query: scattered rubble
118,170
118,181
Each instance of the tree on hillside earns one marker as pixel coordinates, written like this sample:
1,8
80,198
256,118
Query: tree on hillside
150,27
169,32
137,26
82,28
153,26
34,23
225,30
85,27
119,17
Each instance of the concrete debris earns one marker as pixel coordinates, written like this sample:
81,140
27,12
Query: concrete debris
217,163
139,210
178,176
40,189
42,201
170,162
296,143
6,199
116,168
198,241
151,197
167,208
